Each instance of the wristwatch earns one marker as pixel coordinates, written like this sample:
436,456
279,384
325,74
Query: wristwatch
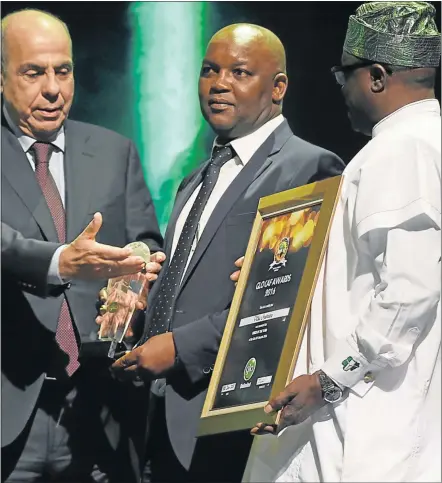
331,392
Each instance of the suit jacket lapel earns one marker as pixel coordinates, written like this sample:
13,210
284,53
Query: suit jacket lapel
260,161
182,198
19,173
79,179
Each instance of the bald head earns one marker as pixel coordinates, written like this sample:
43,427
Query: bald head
18,27
243,80
246,34
37,72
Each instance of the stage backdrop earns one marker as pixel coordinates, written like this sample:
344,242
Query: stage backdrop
137,67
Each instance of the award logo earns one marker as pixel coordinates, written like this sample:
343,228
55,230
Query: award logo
279,258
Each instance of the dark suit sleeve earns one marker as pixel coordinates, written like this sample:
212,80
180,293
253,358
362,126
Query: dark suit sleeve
197,343
141,224
27,260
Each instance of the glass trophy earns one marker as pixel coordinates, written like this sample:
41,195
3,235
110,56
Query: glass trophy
122,295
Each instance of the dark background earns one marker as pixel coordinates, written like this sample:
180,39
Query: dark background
312,32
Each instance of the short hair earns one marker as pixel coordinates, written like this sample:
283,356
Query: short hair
4,21
417,77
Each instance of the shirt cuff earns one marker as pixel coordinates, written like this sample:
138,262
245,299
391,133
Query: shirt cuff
54,277
349,368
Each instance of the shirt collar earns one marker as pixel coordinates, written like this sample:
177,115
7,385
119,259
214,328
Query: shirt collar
247,146
426,106
26,142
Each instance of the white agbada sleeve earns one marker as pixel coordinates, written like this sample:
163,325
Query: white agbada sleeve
397,216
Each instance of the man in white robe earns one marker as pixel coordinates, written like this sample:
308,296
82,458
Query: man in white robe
374,339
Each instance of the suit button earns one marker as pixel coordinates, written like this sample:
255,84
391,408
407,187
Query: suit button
206,370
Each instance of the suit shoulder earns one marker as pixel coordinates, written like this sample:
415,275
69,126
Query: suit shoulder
85,128
308,149
316,162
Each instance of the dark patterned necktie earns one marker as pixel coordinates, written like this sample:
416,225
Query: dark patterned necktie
65,335
164,302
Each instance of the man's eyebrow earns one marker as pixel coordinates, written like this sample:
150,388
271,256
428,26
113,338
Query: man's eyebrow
234,64
240,62
40,68
31,66
213,64
67,64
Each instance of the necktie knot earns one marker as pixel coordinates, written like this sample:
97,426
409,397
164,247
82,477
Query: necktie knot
42,152
222,154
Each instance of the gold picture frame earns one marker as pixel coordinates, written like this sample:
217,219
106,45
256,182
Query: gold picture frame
297,210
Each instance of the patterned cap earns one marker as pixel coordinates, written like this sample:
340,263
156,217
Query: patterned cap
398,33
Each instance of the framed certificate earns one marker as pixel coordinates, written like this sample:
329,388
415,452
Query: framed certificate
270,308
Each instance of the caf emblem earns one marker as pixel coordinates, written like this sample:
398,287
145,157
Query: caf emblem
279,258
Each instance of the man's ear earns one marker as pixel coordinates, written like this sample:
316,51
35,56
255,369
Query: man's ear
378,76
280,83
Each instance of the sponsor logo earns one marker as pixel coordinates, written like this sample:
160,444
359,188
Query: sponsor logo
263,380
249,369
245,385
228,387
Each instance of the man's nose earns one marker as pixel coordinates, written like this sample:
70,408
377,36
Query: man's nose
221,82
51,87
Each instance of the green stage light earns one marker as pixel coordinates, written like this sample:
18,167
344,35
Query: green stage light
168,43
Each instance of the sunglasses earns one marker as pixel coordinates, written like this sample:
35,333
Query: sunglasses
341,72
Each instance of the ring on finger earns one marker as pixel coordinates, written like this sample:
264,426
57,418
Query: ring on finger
103,309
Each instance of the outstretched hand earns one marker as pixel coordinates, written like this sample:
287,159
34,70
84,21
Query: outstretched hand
86,259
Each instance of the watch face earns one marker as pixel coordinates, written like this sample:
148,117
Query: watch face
333,395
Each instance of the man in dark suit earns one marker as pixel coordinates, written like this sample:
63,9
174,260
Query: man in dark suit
241,88
62,414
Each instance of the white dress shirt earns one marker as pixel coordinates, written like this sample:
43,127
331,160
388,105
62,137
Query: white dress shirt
245,148
56,168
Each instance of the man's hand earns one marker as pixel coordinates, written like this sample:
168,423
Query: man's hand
86,259
300,399
235,275
151,360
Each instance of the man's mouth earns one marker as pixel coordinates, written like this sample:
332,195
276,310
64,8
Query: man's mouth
50,109
50,112
219,104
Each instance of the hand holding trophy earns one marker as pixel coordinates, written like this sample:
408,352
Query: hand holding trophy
123,296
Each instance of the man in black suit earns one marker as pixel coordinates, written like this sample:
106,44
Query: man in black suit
63,418
241,88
